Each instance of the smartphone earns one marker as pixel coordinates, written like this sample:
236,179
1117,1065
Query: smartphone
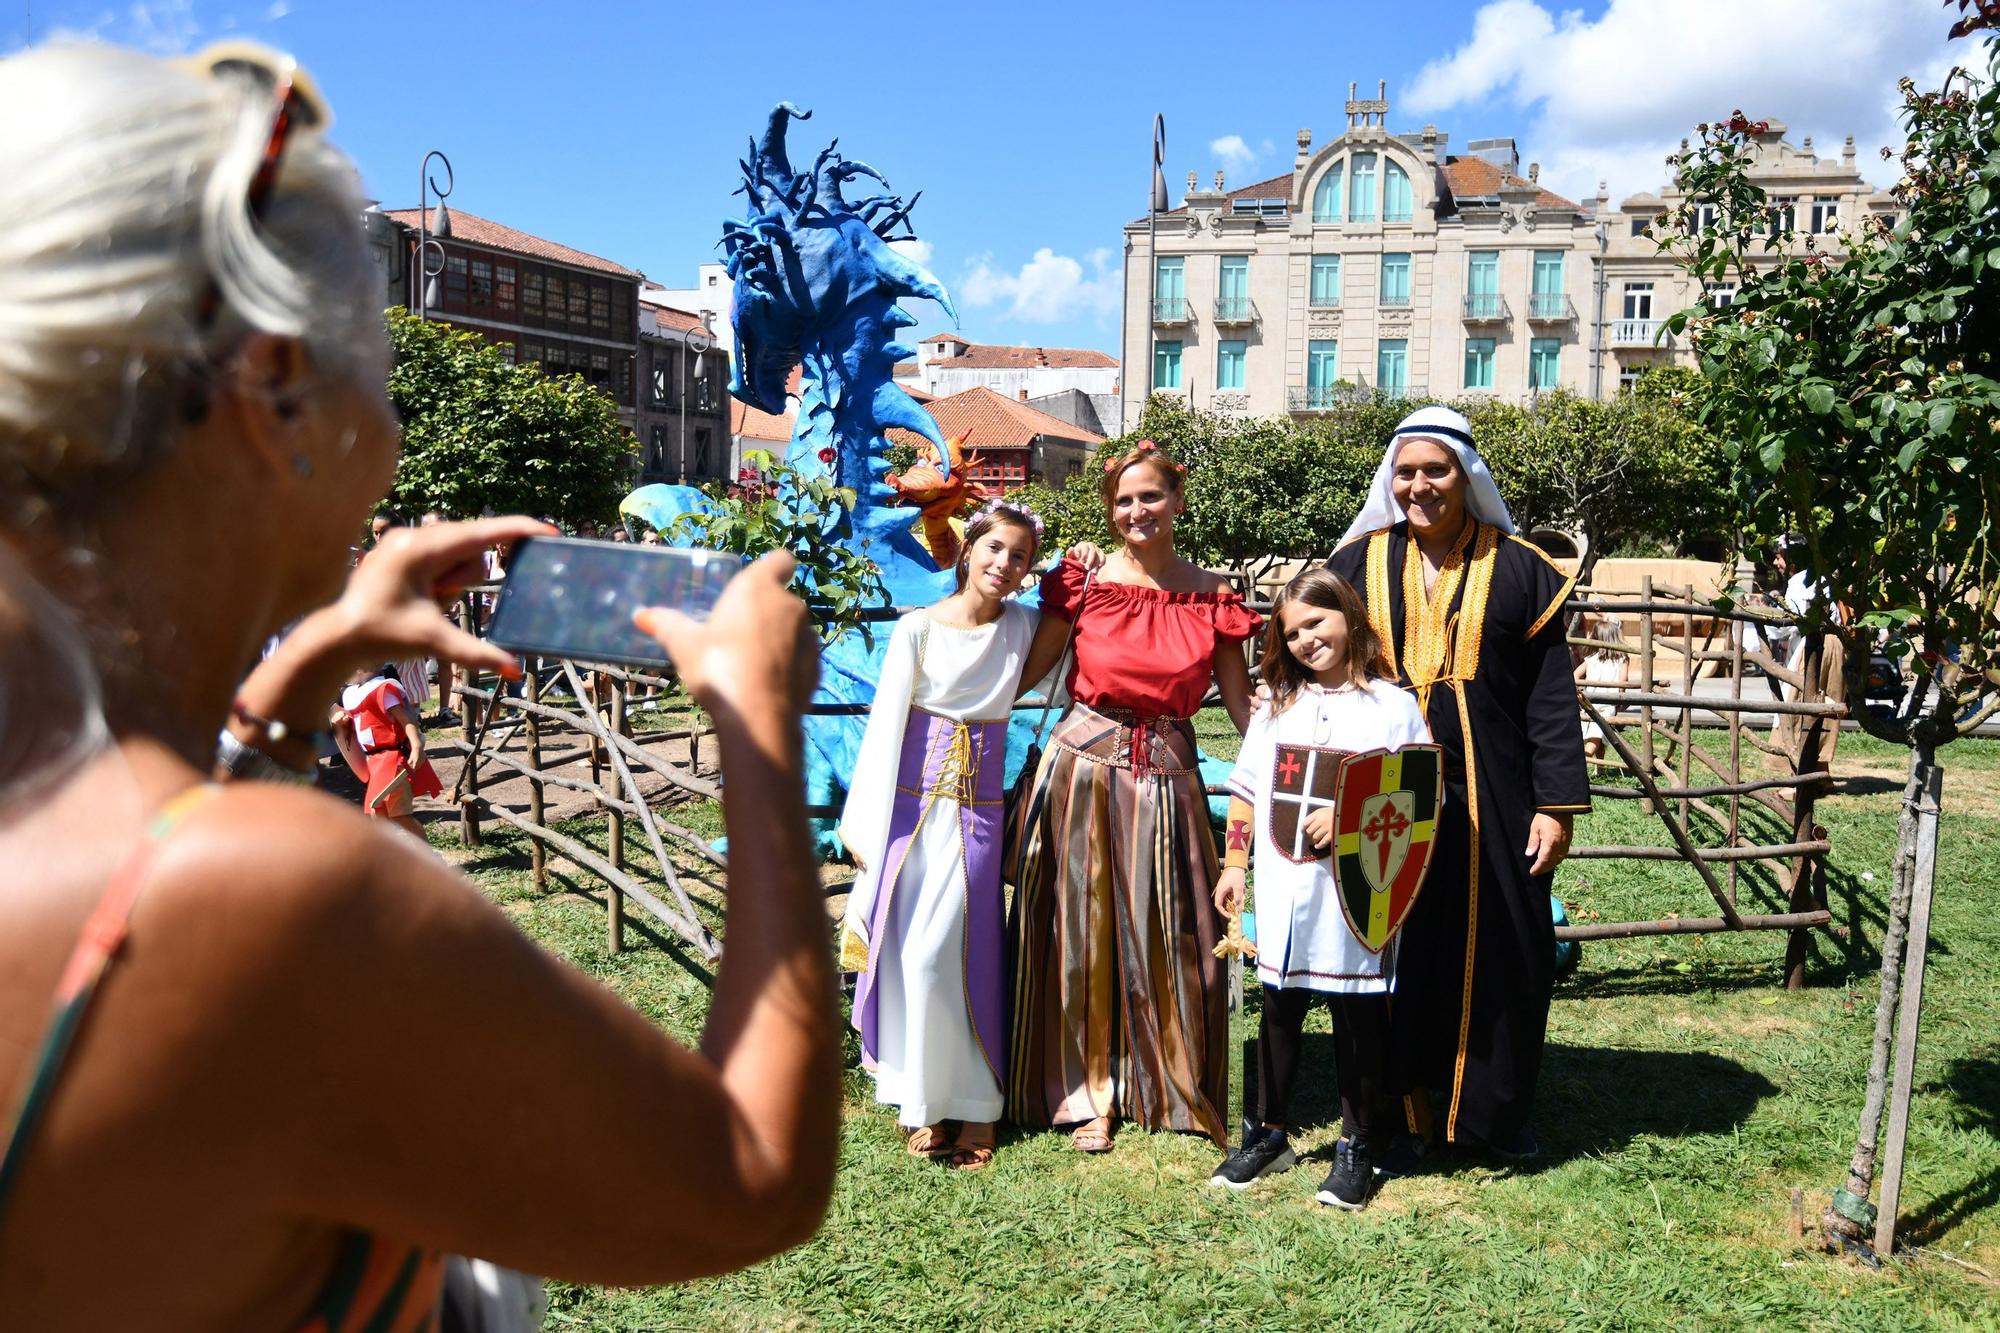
567,597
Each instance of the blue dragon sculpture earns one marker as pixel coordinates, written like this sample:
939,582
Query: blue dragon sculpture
817,281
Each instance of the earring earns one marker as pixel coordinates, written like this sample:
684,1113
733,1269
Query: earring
302,466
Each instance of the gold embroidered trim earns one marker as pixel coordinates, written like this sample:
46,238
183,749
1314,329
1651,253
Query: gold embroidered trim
1471,919
1472,616
1379,618
1429,623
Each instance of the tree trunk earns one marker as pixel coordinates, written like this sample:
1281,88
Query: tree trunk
1849,1216
1911,1010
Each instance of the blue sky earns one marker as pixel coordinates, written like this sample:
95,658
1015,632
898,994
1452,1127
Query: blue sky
615,127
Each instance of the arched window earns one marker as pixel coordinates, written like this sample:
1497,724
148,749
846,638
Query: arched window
1326,199
1396,198
1361,205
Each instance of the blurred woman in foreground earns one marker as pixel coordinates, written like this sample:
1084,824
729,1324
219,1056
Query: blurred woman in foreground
263,1060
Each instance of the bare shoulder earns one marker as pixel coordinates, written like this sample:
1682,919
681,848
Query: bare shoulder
1207,581
267,869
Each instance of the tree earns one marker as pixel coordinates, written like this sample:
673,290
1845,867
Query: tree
778,508
1638,464
480,432
1858,398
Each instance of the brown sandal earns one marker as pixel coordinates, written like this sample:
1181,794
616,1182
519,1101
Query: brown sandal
974,1149
931,1141
1093,1136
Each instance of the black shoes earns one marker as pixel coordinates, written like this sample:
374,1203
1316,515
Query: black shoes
1404,1157
1352,1179
1265,1152
1520,1146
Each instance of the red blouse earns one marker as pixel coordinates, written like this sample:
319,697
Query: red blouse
1146,650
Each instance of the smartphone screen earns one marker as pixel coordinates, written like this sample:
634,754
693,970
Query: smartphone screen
565,597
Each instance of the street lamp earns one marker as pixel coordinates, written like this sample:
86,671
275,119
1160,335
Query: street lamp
428,249
694,342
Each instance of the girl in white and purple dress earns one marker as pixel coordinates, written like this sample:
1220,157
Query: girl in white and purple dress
924,925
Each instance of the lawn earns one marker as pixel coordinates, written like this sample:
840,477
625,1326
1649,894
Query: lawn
1684,1097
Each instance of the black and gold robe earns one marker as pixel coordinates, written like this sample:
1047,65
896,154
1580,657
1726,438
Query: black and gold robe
1485,655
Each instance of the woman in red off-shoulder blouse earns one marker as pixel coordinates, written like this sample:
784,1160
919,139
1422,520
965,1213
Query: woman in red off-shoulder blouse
1119,1000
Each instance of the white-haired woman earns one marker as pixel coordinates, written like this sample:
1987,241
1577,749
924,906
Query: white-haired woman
262,1060
1471,616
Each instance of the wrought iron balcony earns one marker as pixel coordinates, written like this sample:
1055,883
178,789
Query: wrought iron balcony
1551,308
1487,308
1234,310
1326,397
1324,301
1172,310
1638,333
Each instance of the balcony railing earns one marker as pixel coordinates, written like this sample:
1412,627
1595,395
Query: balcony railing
1636,333
1234,310
1324,301
1326,397
1397,302
1172,310
1551,308
1486,308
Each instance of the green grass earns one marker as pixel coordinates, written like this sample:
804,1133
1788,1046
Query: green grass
1684,1097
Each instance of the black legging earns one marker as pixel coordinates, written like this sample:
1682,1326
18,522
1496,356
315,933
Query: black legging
1360,1052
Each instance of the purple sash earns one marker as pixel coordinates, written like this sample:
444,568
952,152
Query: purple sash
949,770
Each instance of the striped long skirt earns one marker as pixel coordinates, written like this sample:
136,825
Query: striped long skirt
1119,1004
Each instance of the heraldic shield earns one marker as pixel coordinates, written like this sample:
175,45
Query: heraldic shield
1385,825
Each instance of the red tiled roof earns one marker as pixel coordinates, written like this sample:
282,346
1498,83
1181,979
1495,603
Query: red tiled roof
1477,176
482,231
987,420
756,424
984,356
906,370
1278,187
947,338
677,321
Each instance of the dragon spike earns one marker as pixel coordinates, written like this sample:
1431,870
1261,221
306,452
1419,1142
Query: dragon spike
893,407
899,318
905,276
773,146
899,351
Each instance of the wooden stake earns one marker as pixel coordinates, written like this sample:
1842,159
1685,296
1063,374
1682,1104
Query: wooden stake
1909,1012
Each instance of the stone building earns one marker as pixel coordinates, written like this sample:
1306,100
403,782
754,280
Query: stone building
683,408
1387,262
571,312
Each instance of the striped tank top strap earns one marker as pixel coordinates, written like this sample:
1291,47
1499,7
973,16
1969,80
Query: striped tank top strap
102,936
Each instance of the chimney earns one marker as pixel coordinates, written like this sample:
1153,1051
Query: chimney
1024,395
1534,173
1305,150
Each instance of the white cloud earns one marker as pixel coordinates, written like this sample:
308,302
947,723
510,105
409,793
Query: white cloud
1048,289
1233,152
1612,97
915,250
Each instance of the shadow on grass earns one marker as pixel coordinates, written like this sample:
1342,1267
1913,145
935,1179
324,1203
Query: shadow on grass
1974,1083
637,922
1590,1100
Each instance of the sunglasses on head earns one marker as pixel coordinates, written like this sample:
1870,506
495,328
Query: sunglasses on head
296,105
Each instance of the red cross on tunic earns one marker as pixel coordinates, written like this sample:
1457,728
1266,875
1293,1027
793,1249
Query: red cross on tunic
1388,823
1289,768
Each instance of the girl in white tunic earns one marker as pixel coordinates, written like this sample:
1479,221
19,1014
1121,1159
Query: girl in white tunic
924,922
1330,696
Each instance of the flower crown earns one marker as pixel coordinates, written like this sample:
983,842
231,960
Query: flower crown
1019,512
1140,451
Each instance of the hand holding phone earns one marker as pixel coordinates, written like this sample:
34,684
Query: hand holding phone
566,597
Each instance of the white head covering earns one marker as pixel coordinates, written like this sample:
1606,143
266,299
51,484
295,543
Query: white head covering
1442,426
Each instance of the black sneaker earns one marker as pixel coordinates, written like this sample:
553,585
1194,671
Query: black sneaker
1520,1146
1352,1178
1405,1157
1263,1153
